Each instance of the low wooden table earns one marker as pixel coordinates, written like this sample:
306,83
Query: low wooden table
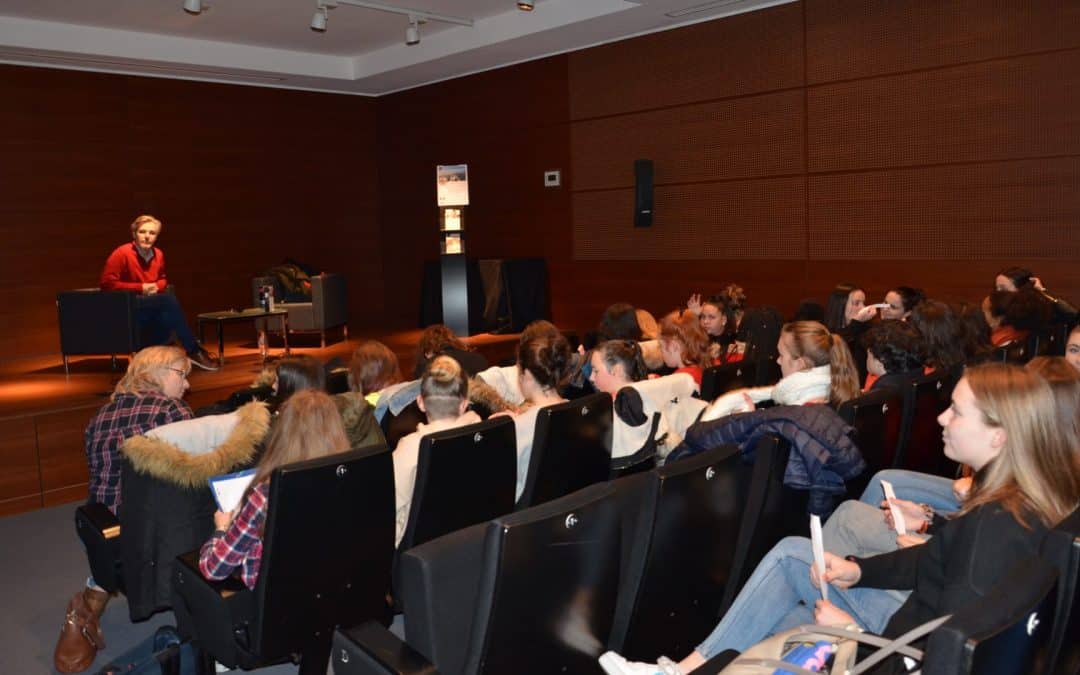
222,318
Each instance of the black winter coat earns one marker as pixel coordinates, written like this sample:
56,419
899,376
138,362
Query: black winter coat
167,507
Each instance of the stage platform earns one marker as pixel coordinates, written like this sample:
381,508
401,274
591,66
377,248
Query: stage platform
43,413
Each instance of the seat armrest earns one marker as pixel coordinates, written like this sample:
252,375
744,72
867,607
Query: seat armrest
329,300
370,649
101,518
224,587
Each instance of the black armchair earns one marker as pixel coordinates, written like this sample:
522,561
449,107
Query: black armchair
921,447
93,321
877,418
327,552
532,592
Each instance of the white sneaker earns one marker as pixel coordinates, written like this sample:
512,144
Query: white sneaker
613,664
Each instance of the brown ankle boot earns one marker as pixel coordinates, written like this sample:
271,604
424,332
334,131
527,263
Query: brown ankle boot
80,636
96,600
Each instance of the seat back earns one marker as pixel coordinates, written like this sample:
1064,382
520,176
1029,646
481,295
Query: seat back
328,546
1019,352
548,585
571,449
1054,338
642,460
464,476
717,380
877,418
921,446
772,512
679,557
1062,549
1006,632
93,321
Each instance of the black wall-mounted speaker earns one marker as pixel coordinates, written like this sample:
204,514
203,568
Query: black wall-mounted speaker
643,188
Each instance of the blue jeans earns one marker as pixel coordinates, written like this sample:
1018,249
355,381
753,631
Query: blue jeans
922,488
159,316
779,596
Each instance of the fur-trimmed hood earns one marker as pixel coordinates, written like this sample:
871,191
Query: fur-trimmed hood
169,462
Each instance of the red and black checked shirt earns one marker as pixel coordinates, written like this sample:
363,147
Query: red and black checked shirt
241,545
125,416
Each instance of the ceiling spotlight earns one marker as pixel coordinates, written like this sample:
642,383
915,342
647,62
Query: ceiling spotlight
412,33
193,6
318,20
525,5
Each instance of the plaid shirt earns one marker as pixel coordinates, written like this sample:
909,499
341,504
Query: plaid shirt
241,546
125,416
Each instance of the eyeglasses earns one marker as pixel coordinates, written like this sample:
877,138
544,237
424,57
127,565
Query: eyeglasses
183,373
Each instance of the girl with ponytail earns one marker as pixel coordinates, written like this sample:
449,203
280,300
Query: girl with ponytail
816,365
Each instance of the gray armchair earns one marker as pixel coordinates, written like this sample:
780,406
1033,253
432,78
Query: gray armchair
329,307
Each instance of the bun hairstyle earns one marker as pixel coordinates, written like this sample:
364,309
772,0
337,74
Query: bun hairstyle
813,342
373,367
1036,471
627,353
685,328
443,387
547,357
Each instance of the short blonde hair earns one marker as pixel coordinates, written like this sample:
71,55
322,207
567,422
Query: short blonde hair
142,220
144,373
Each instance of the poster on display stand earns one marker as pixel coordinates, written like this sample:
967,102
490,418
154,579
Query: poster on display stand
452,184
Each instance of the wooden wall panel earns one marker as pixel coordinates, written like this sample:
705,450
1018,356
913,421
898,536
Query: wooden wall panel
1017,108
723,140
733,219
744,54
19,478
999,211
60,448
849,39
241,177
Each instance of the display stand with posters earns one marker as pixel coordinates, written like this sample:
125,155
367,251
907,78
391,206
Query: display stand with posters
452,196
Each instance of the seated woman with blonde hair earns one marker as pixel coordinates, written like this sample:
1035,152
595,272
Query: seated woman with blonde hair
308,427
816,365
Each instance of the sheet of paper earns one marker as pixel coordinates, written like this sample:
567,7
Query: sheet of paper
897,517
229,488
818,546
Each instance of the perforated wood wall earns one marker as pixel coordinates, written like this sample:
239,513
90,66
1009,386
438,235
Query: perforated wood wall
836,129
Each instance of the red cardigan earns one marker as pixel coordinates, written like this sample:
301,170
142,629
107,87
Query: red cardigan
125,270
